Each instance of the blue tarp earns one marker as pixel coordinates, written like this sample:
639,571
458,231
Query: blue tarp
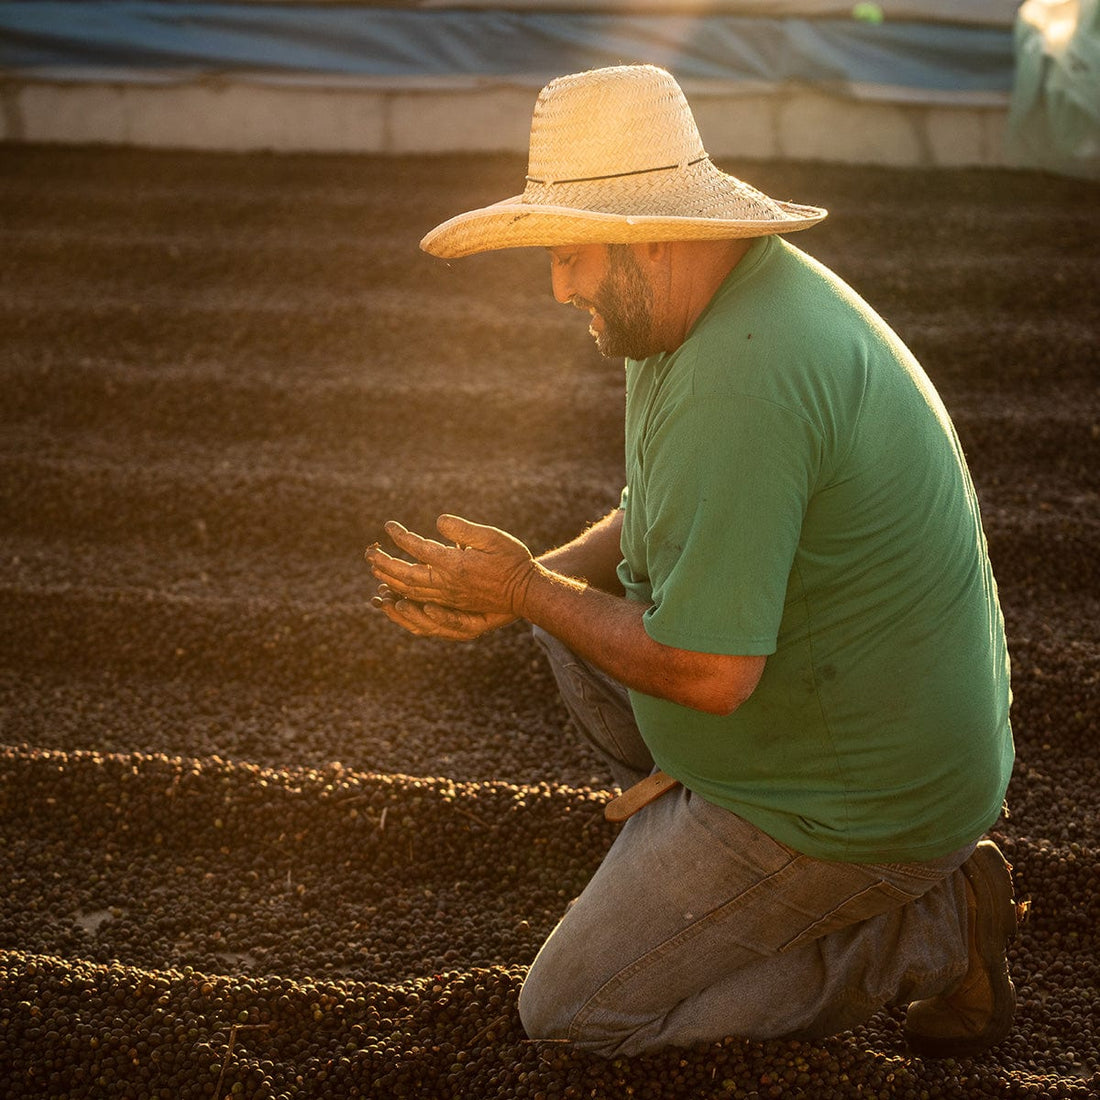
915,59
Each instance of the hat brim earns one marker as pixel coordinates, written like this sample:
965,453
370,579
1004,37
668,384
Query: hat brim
513,223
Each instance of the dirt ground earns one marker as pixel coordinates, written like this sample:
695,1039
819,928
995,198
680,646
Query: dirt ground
256,842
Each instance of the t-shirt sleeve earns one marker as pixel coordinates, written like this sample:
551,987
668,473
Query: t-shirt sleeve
727,481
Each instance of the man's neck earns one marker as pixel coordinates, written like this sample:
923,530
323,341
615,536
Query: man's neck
696,270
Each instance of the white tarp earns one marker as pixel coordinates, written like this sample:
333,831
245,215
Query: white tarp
1054,118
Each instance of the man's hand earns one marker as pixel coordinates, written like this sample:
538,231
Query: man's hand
429,620
457,591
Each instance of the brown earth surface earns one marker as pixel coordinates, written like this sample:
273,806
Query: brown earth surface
258,843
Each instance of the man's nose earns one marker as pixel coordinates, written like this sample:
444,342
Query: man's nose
562,283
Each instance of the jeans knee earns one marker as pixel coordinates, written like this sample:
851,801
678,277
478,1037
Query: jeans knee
548,1010
555,651
539,1010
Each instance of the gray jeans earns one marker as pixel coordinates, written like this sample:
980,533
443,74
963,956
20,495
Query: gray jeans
698,926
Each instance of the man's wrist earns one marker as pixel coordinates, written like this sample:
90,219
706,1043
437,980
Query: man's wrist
521,590
536,586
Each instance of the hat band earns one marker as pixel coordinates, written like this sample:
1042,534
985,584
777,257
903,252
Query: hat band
617,175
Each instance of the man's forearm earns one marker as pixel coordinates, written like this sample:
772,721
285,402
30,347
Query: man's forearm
608,631
593,556
486,576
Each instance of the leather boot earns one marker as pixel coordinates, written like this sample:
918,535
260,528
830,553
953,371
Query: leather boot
977,1014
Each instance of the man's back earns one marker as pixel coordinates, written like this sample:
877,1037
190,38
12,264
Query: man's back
796,488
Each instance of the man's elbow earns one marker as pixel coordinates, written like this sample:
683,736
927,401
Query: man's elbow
728,685
720,704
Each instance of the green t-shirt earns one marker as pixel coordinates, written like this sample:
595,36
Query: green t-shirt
795,488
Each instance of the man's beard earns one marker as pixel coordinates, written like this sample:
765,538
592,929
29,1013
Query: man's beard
625,302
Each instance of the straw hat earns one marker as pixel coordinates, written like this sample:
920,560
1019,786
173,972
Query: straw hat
616,158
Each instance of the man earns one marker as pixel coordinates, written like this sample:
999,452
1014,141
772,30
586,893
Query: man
786,641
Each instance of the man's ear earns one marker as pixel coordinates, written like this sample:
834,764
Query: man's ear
653,252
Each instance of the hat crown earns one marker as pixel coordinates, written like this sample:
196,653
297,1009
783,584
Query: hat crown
611,122
616,158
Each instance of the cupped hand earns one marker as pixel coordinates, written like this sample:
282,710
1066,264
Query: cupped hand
485,571
429,620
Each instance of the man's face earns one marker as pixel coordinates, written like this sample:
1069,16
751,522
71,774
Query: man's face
607,281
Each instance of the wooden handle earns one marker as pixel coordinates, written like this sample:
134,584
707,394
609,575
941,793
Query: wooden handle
641,794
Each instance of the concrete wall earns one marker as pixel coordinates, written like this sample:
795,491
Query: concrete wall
438,116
